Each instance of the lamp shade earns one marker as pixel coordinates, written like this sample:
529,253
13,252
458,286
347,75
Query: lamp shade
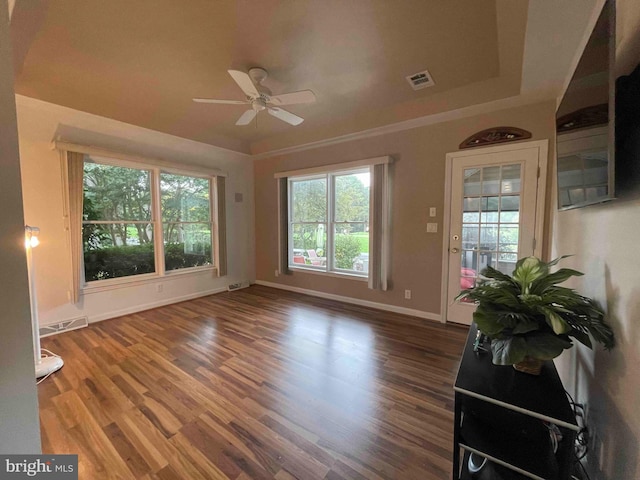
31,236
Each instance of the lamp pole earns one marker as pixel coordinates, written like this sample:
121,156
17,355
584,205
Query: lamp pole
49,364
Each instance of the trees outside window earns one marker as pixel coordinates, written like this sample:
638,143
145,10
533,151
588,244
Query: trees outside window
186,220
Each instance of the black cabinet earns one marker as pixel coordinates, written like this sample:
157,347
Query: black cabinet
511,418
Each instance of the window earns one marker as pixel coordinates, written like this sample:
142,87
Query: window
143,220
186,220
335,220
329,221
117,222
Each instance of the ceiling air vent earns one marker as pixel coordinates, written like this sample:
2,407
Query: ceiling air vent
420,80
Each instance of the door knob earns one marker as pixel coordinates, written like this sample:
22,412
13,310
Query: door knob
454,250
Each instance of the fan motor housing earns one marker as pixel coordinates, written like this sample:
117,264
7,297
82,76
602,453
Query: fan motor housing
258,75
259,104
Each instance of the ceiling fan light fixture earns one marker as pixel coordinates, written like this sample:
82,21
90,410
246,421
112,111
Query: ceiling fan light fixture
258,104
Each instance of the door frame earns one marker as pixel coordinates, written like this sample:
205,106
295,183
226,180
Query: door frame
543,159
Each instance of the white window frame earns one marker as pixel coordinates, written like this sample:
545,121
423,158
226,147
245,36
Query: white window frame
330,222
156,220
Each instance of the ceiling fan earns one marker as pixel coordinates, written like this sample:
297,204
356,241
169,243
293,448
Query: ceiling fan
260,98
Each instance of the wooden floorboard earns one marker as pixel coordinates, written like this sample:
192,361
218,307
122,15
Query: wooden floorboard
255,384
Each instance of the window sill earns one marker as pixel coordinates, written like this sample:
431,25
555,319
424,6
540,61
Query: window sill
348,276
98,286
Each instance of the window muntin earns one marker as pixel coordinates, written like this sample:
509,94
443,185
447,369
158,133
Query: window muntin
127,232
329,222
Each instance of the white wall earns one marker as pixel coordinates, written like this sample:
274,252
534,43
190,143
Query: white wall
605,239
39,123
19,426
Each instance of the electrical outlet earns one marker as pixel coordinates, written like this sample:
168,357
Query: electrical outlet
432,228
159,287
407,294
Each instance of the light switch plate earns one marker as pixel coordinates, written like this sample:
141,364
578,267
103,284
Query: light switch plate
432,211
432,227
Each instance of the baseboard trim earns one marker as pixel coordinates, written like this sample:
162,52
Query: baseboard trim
156,304
356,301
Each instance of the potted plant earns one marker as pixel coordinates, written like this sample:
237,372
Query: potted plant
529,318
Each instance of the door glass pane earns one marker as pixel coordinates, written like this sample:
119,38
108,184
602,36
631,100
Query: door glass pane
468,269
510,209
470,207
489,237
472,181
490,220
470,235
489,206
510,179
490,180
486,259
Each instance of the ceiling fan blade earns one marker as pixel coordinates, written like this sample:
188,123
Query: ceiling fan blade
293,98
246,117
245,83
285,116
224,102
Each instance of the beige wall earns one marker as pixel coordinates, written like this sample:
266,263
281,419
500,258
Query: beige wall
19,426
39,123
418,183
604,240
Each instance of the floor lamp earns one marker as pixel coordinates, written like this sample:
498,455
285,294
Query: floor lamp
48,364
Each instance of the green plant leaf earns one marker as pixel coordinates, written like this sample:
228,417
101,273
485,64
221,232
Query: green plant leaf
463,294
526,326
541,284
527,270
507,351
555,321
493,292
556,260
531,303
491,272
545,346
487,322
582,337
530,299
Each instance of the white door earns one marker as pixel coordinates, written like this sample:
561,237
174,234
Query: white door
492,222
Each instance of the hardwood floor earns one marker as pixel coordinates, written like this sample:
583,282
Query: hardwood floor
255,384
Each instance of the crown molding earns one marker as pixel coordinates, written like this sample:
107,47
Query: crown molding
502,104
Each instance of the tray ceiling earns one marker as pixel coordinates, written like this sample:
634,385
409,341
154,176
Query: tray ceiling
142,62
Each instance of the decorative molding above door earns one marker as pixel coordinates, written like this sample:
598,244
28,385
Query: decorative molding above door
494,135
